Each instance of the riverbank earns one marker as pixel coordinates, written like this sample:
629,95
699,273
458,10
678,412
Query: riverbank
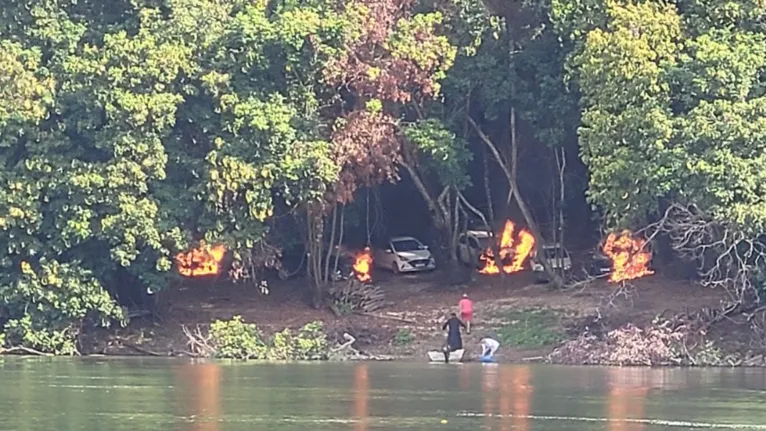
530,320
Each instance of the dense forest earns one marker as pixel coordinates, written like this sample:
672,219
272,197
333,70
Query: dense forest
132,131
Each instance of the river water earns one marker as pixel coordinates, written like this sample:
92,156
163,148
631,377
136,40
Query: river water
96,394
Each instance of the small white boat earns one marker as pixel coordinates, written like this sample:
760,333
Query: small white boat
437,356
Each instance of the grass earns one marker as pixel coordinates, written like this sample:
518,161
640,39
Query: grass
530,329
403,337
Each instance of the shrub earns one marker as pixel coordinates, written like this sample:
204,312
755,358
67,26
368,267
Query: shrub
64,298
403,337
236,339
282,346
311,342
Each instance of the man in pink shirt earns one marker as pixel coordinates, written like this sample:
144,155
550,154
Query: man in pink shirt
466,312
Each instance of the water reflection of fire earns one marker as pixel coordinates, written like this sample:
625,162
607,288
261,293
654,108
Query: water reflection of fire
199,389
201,261
630,259
361,395
511,257
626,402
363,265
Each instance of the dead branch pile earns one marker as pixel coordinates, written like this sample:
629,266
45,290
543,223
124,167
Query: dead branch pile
345,351
679,341
727,256
353,295
198,342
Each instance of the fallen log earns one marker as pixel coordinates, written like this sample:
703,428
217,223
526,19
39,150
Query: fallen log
383,316
140,349
23,349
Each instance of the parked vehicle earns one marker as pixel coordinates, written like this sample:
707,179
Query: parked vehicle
558,257
599,264
404,254
471,245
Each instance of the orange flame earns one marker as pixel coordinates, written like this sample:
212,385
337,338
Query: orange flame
363,265
201,261
629,258
512,258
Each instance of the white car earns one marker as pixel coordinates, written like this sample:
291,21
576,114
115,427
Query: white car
471,245
557,256
404,254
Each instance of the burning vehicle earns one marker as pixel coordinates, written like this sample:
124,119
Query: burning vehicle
513,251
599,264
201,261
471,245
630,256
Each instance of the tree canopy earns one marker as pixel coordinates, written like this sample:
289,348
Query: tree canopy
131,130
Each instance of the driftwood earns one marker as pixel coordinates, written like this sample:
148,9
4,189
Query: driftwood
197,343
358,296
383,316
347,345
140,349
345,352
22,349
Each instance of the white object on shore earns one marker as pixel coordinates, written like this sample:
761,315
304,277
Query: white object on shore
438,356
489,346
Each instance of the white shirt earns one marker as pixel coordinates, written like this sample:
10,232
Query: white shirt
490,343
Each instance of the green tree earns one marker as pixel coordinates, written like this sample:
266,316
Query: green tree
126,133
672,98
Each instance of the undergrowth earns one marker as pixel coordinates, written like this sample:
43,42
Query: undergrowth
235,339
530,329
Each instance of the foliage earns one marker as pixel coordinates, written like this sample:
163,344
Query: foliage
403,337
311,342
441,151
126,132
282,346
236,339
529,329
62,295
394,57
673,100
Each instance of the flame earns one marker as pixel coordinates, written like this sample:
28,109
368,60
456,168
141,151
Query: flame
629,258
363,265
201,261
512,258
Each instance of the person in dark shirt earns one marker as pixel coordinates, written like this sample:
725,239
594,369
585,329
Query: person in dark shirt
454,340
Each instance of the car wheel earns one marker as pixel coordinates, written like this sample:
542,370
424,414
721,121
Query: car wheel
395,268
541,277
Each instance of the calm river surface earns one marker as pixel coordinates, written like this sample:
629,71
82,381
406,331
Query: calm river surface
98,394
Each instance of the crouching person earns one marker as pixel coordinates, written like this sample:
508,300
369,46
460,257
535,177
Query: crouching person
488,348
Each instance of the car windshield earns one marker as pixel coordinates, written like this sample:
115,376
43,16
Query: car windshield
406,245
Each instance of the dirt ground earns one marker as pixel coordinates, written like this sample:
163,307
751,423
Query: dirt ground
421,304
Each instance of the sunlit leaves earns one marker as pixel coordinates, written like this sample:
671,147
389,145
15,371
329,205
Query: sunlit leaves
673,108
441,151
26,90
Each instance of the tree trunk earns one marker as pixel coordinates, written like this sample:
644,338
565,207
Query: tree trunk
326,277
340,239
514,191
561,164
441,214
